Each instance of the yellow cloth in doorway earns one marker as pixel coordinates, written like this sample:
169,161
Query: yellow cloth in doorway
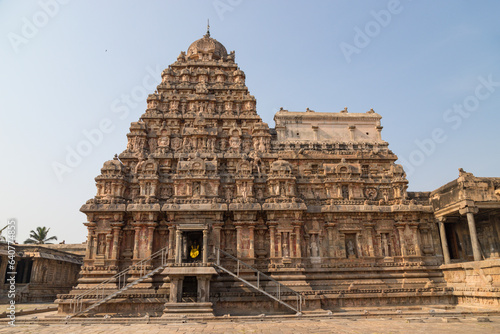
195,251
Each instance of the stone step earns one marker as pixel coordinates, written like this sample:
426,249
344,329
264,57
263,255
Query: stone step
188,309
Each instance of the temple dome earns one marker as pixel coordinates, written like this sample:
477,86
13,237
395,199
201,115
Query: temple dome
206,45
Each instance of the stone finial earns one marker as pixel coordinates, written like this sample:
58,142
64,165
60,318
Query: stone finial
371,111
463,173
115,157
344,110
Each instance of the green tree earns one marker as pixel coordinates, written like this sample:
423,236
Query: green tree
40,236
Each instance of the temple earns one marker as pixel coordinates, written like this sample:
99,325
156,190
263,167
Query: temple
209,211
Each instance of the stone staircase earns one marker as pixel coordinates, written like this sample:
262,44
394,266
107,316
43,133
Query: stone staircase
101,294
272,288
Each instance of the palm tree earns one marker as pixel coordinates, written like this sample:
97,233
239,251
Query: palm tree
40,236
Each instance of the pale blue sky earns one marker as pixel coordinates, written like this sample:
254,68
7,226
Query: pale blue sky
77,66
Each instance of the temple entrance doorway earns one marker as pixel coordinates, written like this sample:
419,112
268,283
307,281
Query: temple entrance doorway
453,242
194,243
189,289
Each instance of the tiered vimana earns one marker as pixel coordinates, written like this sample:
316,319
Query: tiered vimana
205,189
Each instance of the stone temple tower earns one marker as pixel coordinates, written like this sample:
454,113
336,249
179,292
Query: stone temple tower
317,203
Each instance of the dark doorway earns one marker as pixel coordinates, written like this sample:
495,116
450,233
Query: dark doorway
189,289
23,270
194,242
453,242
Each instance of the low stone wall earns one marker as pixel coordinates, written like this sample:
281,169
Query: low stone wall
475,283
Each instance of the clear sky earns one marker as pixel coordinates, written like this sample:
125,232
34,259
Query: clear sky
74,70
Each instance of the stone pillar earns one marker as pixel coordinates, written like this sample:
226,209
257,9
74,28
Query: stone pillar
402,243
251,250
216,229
378,236
308,244
116,242
470,211
93,245
298,252
149,246
205,246
414,229
136,242
178,236
329,232
203,289
272,243
90,249
444,242
239,246
280,246
171,242
174,287
107,245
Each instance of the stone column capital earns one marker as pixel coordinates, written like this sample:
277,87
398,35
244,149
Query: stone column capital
414,226
369,225
441,219
468,209
117,225
400,226
90,225
272,223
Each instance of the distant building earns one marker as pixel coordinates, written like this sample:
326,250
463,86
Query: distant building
40,273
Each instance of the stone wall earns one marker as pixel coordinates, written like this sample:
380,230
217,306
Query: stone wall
475,283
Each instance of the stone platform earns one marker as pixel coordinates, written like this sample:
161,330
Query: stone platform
428,321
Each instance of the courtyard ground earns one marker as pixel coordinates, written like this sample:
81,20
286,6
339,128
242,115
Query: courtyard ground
414,325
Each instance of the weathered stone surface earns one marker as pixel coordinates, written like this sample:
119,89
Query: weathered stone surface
40,272
318,202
